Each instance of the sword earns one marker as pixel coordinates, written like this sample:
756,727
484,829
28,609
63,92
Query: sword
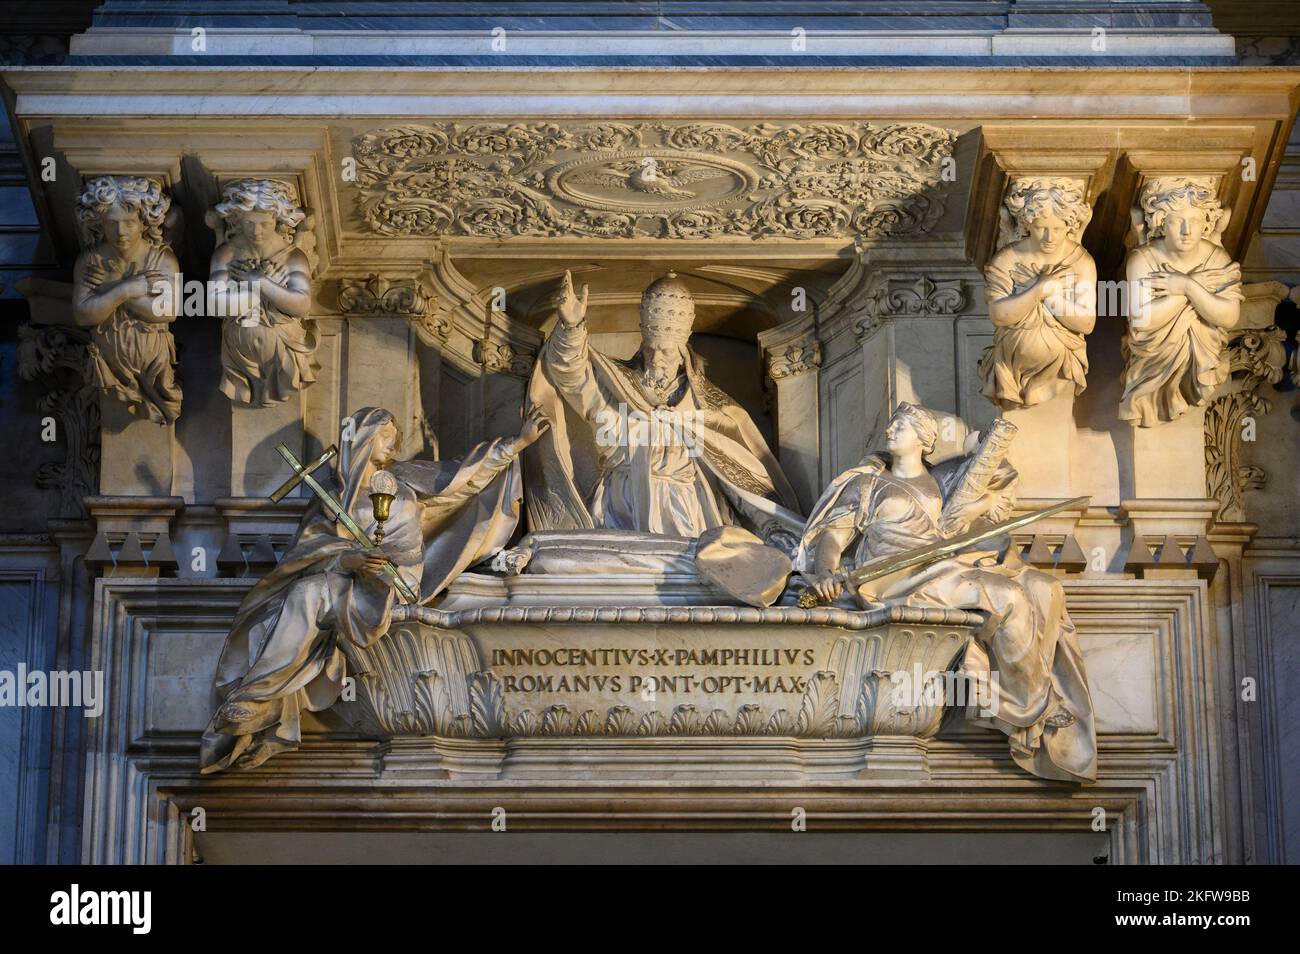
893,562
302,475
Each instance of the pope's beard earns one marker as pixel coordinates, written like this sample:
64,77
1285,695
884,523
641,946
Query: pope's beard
657,380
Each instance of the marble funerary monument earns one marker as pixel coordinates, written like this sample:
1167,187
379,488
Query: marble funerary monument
674,420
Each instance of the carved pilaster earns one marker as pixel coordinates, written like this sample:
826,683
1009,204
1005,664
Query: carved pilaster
54,354
1256,358
792,357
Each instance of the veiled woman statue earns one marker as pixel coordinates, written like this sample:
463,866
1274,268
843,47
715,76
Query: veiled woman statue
1185,296
1042,295
123,290
893,502
267,346
282,654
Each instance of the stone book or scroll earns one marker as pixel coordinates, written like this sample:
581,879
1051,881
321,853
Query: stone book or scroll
976,474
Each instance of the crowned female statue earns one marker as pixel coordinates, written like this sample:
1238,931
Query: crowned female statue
893,502
673,453
282,654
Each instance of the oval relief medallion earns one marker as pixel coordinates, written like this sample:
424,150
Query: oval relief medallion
650,180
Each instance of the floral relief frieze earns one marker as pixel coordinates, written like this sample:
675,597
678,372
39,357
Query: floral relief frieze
653,179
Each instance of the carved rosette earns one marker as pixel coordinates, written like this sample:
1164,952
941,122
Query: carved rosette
1258,358
652,179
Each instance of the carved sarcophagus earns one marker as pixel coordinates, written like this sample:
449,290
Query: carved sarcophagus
726,672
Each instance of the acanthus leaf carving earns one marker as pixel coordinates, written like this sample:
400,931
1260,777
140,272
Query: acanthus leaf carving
794,359
909,296
58,355
1259,356
404,298
501,358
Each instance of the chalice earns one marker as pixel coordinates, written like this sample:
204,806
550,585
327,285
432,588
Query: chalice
383,490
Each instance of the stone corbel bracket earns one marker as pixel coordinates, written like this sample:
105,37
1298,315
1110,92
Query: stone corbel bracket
1051,544
1170,538
168,153
257,532
1013,153
133,535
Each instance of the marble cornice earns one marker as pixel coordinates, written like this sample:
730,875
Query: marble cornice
883,92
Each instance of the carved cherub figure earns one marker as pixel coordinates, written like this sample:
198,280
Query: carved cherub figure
1041,287
123,290
267,346
1184,295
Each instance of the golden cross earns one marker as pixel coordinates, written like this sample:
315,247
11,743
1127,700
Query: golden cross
302,475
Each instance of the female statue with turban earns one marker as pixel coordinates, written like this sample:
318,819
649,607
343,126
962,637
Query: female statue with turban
282,654
892,502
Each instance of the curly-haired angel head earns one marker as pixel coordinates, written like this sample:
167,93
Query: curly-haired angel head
121,209
1047,210
1183,208
253,207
